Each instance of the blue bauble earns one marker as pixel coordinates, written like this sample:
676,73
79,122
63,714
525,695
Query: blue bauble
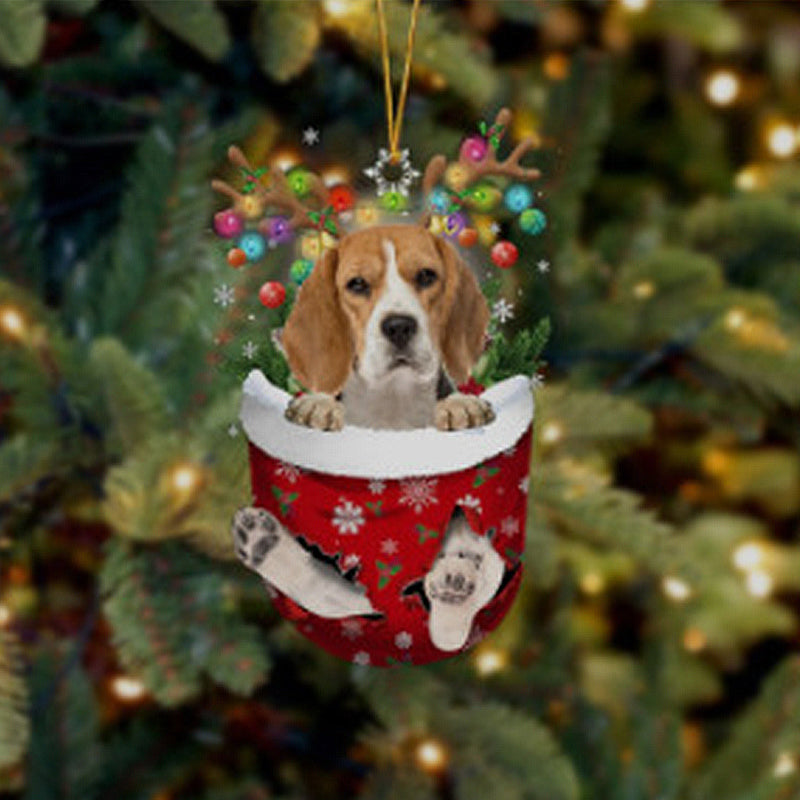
439,200
518,197
532,221
301,268
253,245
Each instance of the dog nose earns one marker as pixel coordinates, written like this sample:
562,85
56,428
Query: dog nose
398,329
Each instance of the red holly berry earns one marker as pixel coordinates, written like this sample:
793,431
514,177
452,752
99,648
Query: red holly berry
468,237
342,198
272,294
236,257
504,254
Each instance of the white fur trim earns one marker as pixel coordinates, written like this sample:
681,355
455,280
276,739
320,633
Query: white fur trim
366,453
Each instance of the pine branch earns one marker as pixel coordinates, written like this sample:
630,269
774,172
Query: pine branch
14,721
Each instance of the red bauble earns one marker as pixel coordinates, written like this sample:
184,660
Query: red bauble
272,294
474,148
468,237
504,254
236,257
342,198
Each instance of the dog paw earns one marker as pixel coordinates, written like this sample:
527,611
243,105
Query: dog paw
318,410
459,411
255,534
453,578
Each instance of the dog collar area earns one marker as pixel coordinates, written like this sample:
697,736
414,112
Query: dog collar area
367,453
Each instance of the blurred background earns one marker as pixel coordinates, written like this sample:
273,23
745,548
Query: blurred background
653,650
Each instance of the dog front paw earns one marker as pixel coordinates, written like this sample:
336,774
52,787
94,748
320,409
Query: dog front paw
459,411
316,411
255,533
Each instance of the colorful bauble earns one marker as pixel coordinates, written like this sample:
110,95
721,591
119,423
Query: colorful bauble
468,237
228,224
310,246
279,230
532,221
253,245
456,177
272,294
436,224
236,257
439,200
454,223
301,268
487,229
342,198
299,181
474,148
518,197
394,201
251,206
504,254
484,197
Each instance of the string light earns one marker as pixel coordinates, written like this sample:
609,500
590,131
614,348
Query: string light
592,583
5,615
556,66
785,765
184,479
644,290
716,462
748,556
676,589
285,159
552,432
127,688
735,318
635,6
759,583
781,139
488,661
431,755
338,9
334,175
12,323
694,640
722,87
750,178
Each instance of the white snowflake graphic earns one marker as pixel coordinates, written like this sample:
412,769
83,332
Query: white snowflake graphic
503,311
224,295
509,526
403,640
543,265
470,501
351,629
288,471
249,350
495,228
233,430
523,484
347,516
350,561
361,658
419,493
310,136
389,547
407,174
377,487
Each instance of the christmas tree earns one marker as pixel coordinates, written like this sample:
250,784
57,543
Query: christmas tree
652,650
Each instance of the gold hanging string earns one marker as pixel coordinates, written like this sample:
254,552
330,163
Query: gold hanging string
395,121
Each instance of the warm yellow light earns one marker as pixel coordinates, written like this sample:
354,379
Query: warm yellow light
592,583
127,688
722,87
5,615
556,66
716,462
694,640
781,140
676,589
748,556
488,661
431,755
644,290
735,318
12,323
750,178
334,175
342,8
185,478
634,5
285,159
785,765
310,246
552,432
759,583
366,214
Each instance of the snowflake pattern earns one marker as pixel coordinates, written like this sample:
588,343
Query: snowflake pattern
288,471
407,174
377,487
419,494
233,431
389,547
347,516
543,265
351,629
403,640
470,501
351,561
495,228
503,311
523,484
361,658
224,295
311,136
509,526
249,349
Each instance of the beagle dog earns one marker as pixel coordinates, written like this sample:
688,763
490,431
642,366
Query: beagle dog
382,328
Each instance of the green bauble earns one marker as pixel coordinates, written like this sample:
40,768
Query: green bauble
301,268
394,201
532,221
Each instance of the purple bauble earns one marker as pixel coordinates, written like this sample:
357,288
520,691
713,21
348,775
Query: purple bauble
473,148
279,230
228,224
454,223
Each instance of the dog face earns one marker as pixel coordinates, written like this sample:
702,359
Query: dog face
387,300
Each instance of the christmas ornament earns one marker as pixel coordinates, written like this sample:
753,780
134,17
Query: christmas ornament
342,198
532,221
300,181
252,244
394,201
484,197
518,197
454,224
393,174
301,268
228,224
505,254
237,257
277,230
272,294
468,237
474,148
439,200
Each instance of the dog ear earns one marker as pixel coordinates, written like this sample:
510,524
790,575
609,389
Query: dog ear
466,315
316,337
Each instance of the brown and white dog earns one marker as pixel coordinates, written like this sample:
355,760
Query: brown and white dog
382,328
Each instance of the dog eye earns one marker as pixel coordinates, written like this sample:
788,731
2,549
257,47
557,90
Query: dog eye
425,277
358,286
